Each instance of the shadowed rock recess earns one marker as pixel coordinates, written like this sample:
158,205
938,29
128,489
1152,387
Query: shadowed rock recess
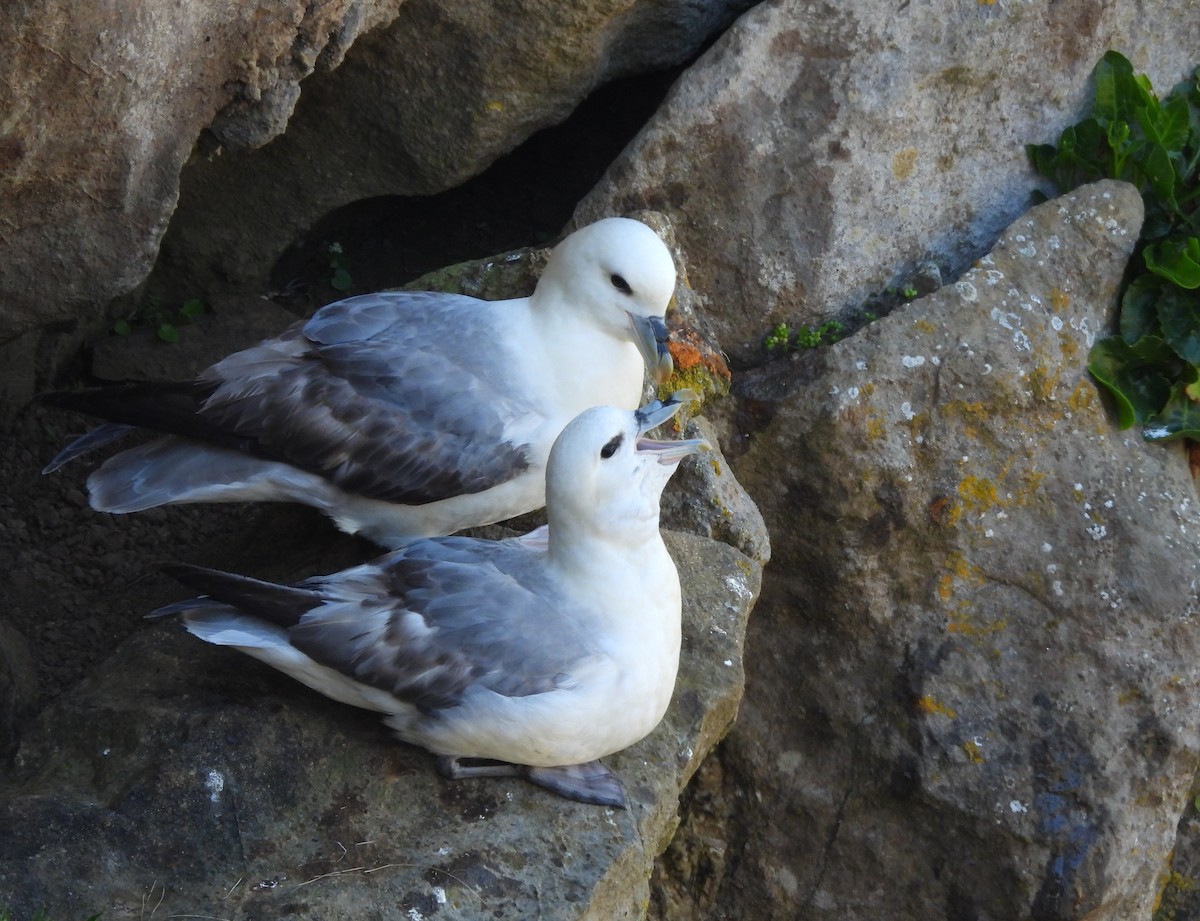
976,664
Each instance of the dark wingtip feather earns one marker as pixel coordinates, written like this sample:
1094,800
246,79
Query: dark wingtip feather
280,604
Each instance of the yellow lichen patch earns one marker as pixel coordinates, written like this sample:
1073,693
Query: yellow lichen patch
960,622
1130,695
1083,397
904,163
1059,299
957,568
1067,345
974,751
978,493
924,326
929,705
875,427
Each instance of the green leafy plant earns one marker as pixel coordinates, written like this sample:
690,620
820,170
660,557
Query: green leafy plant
164,320
339,263
1152,368
781,339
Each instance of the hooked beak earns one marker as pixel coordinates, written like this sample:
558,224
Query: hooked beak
650,336
657,412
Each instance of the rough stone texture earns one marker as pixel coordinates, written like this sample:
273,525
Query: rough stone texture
18,687
187,769
975,669
104,106
103,103
438,95
819,151
205,783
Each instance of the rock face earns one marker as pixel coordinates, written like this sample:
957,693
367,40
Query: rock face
975,668
103,105
203,768
204,783
819,151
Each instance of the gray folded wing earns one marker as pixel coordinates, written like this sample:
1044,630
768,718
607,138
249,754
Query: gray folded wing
431,620
382,406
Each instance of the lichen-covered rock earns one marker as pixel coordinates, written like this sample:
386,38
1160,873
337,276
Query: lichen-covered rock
198,781
819,151
975,669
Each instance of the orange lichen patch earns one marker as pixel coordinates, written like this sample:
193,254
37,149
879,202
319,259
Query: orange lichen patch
973,749
688,350
929,706
957,569
1059,299
940,510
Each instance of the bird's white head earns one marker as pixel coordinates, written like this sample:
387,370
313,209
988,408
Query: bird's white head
619,275
605,478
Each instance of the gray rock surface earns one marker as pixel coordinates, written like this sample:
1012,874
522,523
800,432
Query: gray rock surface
819,151
204,783
437,96
975,669
104,104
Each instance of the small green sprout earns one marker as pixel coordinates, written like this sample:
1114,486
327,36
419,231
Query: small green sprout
165,320
340,280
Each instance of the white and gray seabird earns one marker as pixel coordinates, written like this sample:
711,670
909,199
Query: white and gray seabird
399,414
538,654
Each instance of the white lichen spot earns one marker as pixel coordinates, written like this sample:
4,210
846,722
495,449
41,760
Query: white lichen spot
1154,431
1056,323
935,361
852,393
987,368
1097,531
1046,548
1108,503
1057,586
1017,806
1021,341
729,663
1054,242
966,291
860,365
415,915
907,410
1078,487
912,361
738,587
993,277
1027,249
215,782
989,533
439,895
1005,320
1080,324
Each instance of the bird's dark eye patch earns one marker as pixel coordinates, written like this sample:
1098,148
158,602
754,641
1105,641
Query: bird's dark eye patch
611,448
620,284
